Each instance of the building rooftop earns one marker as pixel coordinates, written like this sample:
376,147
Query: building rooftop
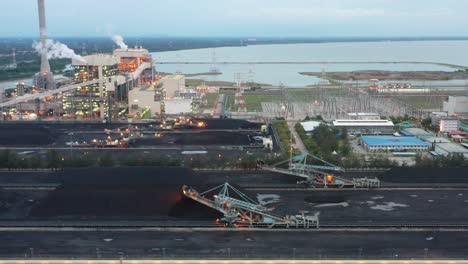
363,114
310,125
134,52
392,141
416,132
97,60
350,123
452,148
434,139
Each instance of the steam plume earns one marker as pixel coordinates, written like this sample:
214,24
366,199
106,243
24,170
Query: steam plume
119,41
57,50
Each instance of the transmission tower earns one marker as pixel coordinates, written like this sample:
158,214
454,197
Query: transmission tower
239,99
214,62
251,73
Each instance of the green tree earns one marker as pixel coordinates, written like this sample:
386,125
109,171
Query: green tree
53,159
426,122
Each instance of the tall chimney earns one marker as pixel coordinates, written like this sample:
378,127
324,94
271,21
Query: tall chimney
45,73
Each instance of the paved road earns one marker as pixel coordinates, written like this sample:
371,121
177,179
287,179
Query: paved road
297,139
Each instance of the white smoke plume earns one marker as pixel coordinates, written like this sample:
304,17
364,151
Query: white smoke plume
119,40
57,50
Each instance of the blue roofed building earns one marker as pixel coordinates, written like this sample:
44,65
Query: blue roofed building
393,144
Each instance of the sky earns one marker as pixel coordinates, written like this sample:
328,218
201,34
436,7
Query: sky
246,18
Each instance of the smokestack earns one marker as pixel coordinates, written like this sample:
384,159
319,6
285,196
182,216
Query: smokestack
45,66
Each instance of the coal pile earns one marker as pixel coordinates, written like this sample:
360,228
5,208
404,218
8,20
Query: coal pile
24,134
82,126
425,175
196,138
325,197
229,124
124,193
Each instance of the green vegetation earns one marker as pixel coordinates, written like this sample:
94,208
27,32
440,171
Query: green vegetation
28,69
197,82
423,101
254,101
325,140
201,73
400,119
308,141
442,162
284,135
426,122
211,99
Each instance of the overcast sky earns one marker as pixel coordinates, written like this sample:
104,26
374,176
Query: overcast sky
306,18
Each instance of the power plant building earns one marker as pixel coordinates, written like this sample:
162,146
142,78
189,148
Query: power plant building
172,85
92,101
145,100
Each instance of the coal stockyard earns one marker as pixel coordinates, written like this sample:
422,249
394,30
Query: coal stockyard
154,194
213,133
107,206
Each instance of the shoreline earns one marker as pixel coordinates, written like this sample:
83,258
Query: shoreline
365,75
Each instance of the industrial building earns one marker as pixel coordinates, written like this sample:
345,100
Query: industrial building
136,63
172,85
456,106
146,100
366,126
393,144
450,149
436,115
117,75
448,124
423,135
415,132
94,100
